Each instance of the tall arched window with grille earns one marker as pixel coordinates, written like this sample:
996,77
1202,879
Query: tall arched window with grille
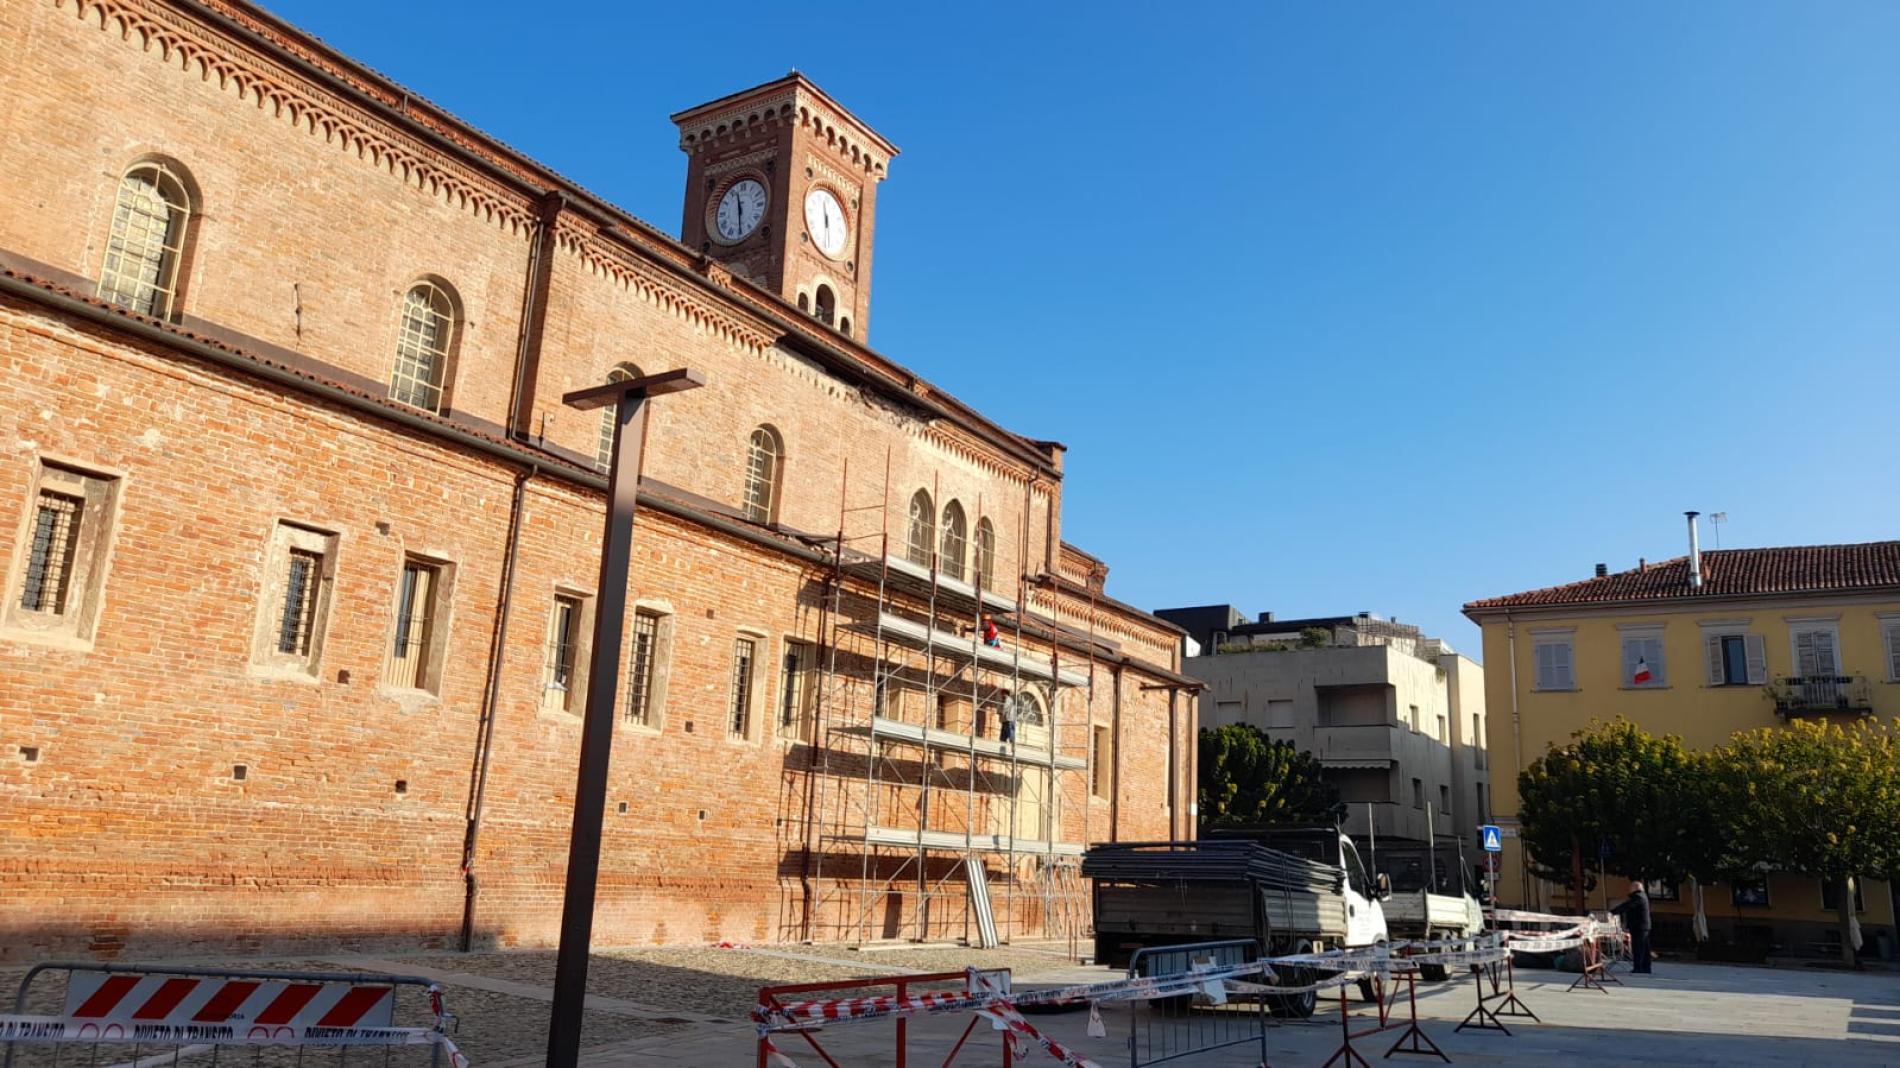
923,529
950,545
150,222
985,554
604,449
424,342
764,470
827,305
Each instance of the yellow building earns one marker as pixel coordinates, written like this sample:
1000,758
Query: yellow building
1699,646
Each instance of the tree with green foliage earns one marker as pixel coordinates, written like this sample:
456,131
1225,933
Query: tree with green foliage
1652,799
1251,780
1817,799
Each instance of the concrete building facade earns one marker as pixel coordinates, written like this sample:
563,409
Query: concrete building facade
301,543
1699,646
1395,717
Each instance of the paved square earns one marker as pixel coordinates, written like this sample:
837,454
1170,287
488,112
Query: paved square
1685,1014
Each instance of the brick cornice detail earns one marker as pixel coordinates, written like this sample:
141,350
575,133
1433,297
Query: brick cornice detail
190,47
633,272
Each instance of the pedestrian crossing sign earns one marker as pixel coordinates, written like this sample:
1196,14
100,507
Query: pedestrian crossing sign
1493,838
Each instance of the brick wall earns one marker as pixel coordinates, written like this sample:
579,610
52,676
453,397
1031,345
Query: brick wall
132,833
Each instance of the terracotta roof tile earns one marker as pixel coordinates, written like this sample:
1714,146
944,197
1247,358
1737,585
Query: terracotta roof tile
1727,573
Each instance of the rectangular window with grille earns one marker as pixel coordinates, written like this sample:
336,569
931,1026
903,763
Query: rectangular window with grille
1101,778
560,687
295,599
415,647
50,552
794,700
300,602
60,562
745,652
643,673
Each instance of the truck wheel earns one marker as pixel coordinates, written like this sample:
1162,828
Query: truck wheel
1301,1005
1433,973
1369,990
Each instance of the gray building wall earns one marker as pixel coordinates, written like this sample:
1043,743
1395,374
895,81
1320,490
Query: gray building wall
1393,728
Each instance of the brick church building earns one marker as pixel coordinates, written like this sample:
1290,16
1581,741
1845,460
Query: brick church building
300,542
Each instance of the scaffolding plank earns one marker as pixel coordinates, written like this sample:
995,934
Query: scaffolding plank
959,842
918,636
937,738
914,578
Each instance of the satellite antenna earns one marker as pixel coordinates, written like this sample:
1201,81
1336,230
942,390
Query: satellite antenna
1716,519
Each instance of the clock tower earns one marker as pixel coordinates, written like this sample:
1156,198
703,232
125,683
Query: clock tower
781,187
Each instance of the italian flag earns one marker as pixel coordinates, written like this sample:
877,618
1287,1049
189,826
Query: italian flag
1642,675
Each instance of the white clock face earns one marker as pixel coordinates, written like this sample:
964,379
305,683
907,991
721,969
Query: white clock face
740,209
824,219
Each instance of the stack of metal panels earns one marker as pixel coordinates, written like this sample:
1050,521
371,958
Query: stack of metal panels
1214,861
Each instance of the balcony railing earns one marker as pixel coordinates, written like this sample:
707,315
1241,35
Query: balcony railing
1813,695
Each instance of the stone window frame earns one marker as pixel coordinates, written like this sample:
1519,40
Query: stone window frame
920,529
1565,638
405,339
573,702
1628,633
758,686
435,643
609,422
803,727
660,673
761,491
101,495
290,536
953,540
116,285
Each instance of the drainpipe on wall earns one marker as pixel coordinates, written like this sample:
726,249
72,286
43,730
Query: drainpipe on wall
1115,759
1174,801
534,316
1517,764
485,727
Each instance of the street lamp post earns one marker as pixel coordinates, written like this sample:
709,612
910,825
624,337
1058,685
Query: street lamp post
597,728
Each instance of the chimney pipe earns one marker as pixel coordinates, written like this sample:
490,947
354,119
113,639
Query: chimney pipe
1695,553
1603,570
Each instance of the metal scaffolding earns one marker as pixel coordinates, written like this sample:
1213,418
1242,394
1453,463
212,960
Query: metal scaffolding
942,767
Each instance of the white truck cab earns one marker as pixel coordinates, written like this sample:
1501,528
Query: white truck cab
1365,916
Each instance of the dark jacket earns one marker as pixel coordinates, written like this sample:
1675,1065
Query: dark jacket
1635,912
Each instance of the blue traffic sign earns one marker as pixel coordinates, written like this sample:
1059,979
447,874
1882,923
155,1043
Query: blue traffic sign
1493,838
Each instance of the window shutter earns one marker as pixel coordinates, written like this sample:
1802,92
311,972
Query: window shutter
1540,656
1566,678
1632,652
1824,660
1804,653
1893,652
1716,677
1653,656
1757,659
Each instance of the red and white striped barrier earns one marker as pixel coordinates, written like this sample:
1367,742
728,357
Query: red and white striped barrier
105,999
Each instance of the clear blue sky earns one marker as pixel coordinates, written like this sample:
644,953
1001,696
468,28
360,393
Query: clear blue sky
1338,306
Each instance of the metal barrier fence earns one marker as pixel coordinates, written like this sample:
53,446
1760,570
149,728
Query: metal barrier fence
166,1015
1164,1029
905,992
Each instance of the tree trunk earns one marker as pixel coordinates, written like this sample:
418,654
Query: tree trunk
1845,888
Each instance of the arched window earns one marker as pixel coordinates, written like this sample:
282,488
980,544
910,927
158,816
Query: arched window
604,451
844,325
1029,709
765,464
827,304
923,527
147,243
950,545
804,302
985,554
423,344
